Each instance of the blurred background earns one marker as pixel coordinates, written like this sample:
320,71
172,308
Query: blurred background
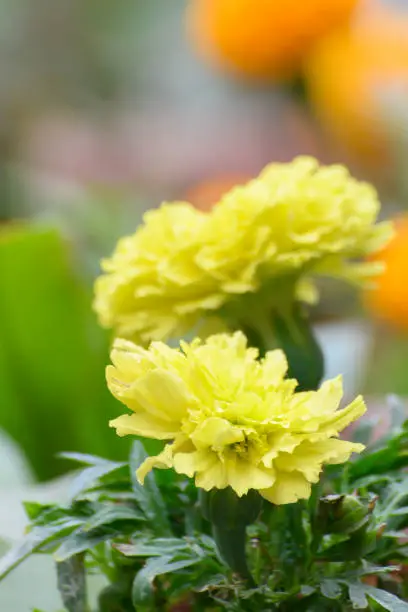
108,107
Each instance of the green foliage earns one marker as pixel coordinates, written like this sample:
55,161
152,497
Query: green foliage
52,354
343,549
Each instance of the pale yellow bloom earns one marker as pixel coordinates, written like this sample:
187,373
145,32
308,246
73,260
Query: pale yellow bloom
182,265
229,418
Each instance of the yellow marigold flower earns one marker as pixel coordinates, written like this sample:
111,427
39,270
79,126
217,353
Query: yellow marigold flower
231,419
152,287
293,221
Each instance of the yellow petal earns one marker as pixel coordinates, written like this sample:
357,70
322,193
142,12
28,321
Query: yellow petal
163,394
242,476
161,461
144,425
216,433
288,488
308,458
274,367
214,477
341,419
195,461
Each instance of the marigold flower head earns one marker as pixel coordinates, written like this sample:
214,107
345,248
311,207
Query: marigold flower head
389,299
350,72
182,264
230,419
265,39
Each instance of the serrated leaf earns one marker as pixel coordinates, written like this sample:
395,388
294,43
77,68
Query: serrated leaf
111,514
330,589
148,495
370,569
357,596
77,543
160,547
87,477
142,589
390,602
33,542
34,509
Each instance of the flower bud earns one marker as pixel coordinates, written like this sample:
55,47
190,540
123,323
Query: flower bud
342,514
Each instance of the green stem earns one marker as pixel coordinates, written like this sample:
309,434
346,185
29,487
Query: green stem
230,515
294,334
231,546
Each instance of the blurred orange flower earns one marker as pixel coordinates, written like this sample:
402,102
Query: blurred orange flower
204,195
262,38
351,70
389,299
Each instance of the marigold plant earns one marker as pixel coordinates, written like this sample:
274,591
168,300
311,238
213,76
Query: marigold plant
182,265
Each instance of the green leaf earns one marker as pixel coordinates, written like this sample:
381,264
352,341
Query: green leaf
357,596
34,509
77,543
330,589
33,542
90,459
52,354
111,514
390,602
148,495
87,477
307,590
159,547
359,592
142,589
399,511
71,583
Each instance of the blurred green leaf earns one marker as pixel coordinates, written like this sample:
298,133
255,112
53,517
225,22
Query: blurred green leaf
159,547
148,496
111,514
79,542
330,589
32,542
386,600
142,590
87,477
90,460
357,596
52,354
359,592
